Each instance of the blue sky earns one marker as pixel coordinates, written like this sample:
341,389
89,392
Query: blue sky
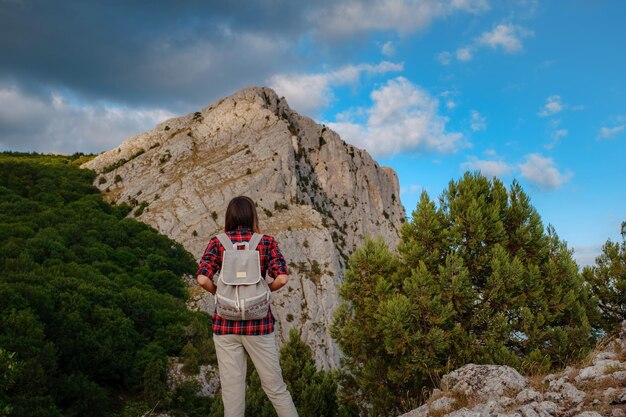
519,89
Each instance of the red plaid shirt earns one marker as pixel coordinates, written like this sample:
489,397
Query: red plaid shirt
272,263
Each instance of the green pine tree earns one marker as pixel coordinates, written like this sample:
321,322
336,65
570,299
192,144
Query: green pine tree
476,279
608,283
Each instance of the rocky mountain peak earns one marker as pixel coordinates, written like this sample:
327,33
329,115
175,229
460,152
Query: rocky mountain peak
318,195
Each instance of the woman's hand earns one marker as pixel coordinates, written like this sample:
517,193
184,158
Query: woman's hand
206,283
279,282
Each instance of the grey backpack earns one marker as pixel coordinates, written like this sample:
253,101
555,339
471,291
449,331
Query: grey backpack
242,293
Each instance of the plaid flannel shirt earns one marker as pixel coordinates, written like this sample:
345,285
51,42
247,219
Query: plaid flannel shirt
272,263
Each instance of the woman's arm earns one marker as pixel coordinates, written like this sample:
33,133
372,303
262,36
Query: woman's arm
279,282
207,284
209,265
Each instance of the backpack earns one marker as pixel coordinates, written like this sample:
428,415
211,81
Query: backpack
242,293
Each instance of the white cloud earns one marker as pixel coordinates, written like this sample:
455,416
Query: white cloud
478,122
351,17
556,136
444,58
609,132
403,117
553,106
448,97
411,189
586,255
388,49
464,54
489,168
309,92
55,124
472,6
560,133
542,171
506,36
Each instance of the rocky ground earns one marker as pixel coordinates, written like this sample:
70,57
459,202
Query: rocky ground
594,388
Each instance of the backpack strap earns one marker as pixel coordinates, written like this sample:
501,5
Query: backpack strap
225,241
229,245
254,241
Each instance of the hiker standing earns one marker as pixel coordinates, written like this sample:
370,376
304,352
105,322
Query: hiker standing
232,268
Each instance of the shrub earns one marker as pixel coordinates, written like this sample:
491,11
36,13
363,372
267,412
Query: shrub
476,279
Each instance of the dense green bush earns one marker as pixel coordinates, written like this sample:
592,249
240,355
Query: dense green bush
476,279
91,302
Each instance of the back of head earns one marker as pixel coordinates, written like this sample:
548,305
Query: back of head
241,212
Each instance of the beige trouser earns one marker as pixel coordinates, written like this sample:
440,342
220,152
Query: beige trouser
231,361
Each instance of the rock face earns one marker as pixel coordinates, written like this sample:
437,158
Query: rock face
319,196
596,388
484,381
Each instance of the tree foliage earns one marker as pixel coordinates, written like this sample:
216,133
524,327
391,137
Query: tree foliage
608,282
476,278
91,302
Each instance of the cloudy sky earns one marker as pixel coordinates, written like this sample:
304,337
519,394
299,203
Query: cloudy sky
519,89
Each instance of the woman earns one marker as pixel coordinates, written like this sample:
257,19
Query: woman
233,337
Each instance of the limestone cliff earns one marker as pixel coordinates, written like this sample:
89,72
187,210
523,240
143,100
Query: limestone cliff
318,195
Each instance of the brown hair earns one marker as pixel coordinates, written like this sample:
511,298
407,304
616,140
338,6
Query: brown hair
241,212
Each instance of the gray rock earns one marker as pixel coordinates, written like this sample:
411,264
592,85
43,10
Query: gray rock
618,413
589,414
442,404
491,408
484,381
549,408
418,412
464,412
505,402
549,378
610,393
619,376
601,356
540,409
564,392
596,371
529,410
528,395
322,191
208,378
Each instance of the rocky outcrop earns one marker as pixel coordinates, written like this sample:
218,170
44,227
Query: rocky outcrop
596,388
319,196
207,378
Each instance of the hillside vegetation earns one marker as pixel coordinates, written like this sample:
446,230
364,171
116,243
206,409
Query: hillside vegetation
91,303
477,279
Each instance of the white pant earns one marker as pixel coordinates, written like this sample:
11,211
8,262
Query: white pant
231,361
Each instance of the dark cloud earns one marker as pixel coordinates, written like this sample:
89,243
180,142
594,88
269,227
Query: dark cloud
184,54
79,75
142,52
53,124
